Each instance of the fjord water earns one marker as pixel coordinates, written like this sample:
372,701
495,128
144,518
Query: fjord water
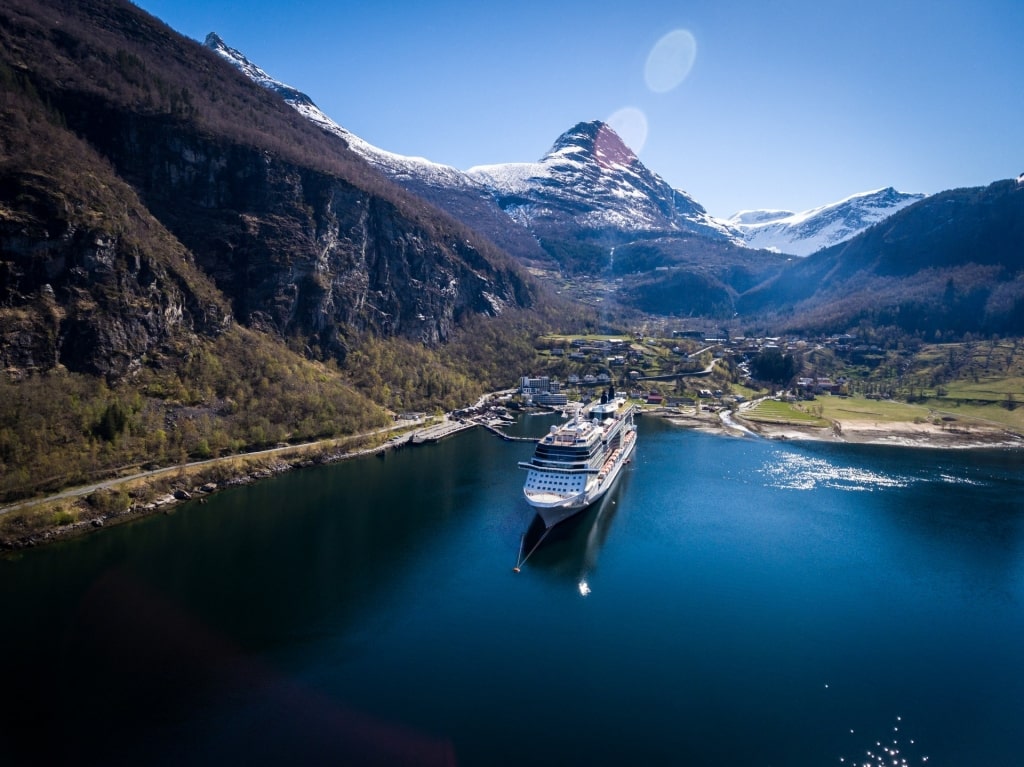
731,602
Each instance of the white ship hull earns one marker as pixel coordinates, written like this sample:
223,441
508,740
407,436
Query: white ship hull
576,465
552,515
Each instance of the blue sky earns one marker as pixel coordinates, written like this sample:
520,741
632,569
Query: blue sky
787,104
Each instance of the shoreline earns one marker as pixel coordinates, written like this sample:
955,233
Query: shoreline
80,511
963,436
161,491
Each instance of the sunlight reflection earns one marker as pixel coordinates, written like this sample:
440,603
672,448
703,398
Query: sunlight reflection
890,756
670,60
793,471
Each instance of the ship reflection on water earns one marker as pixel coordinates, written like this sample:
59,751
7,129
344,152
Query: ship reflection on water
570,549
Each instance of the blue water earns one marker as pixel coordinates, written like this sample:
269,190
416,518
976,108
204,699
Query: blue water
731,602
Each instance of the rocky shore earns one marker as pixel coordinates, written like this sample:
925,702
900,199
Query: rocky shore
904,434
85,510
962,434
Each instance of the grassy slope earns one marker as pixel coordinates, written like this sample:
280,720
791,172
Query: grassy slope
775,412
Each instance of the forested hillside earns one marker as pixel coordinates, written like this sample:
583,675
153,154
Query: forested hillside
188,267
948,265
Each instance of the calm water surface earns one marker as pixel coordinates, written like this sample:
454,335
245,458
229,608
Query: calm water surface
731,602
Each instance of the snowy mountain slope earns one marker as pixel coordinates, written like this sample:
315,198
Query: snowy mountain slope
801,234
444,186
389,162
589,183
591,180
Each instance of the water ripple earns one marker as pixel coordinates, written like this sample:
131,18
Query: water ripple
954,480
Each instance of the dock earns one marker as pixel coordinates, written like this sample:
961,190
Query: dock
439,431
507,437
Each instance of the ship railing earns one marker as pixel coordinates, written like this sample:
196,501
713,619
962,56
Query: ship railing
560,470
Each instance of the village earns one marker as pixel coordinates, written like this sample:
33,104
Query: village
688,373
705,378
687,369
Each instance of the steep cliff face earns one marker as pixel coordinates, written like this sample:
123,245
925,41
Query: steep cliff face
167,194
88,278
304,253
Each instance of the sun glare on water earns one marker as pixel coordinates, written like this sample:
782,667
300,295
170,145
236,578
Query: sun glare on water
792,471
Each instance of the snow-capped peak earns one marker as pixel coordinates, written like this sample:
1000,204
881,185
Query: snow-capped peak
801,234
591,179
595,139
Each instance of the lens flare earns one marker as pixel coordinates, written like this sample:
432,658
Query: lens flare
631,125
670,60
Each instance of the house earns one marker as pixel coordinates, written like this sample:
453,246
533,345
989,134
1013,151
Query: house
680,402
410,416
654,398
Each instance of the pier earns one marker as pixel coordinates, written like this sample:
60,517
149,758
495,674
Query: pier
507,437
439,431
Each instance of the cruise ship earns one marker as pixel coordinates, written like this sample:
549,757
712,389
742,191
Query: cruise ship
577,462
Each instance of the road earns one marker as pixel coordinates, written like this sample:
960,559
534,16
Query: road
78,492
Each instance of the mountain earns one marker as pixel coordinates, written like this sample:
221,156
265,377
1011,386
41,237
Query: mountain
590,181
597,211
449,189
147,189
801,234
950,264
589,187
189,268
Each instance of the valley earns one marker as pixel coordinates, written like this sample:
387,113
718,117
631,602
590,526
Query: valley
196,263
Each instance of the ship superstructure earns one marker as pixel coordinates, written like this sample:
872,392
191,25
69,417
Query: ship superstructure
577,462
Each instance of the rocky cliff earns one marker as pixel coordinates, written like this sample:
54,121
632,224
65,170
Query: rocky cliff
445,187
165,194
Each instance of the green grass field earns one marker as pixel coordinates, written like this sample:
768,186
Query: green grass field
861,409
933,410
993,390
774,411
996,412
